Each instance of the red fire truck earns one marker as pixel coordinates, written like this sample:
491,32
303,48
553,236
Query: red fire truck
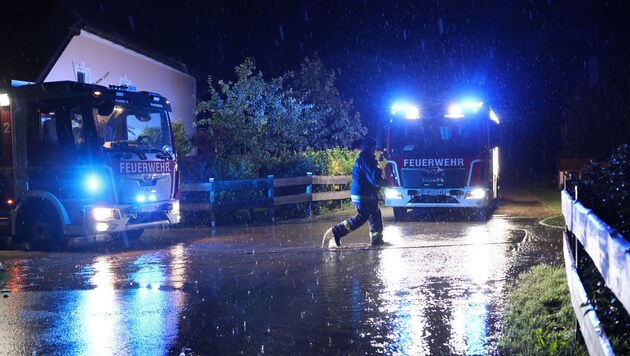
81,159
442,157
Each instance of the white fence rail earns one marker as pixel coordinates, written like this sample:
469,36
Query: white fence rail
610,253
607,248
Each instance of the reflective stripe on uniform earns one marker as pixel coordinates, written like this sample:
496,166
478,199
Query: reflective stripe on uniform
346,224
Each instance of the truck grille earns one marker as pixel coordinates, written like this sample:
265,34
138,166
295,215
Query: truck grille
132,186
433,178
148,217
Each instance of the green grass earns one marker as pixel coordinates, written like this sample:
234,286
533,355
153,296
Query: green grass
539,318
550,197
557,221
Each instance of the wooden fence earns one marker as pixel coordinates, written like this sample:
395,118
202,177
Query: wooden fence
211,196
610,253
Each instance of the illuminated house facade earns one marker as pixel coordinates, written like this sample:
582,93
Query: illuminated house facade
46,50
90,57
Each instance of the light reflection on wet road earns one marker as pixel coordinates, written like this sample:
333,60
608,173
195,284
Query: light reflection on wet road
437,288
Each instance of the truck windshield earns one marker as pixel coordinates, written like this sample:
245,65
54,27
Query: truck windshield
445,137
133,128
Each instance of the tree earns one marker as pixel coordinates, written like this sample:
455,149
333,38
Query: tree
251,117
332,122
182,143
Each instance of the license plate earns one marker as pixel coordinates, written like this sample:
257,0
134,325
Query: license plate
147,208
434,192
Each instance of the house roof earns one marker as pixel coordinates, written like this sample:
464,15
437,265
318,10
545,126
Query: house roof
36,39
572,164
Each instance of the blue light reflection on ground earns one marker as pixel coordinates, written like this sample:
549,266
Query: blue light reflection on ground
470,319
113,319
481,276
407,325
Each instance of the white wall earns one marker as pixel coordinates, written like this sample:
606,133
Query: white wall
108,63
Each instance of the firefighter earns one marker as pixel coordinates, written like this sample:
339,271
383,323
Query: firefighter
367,179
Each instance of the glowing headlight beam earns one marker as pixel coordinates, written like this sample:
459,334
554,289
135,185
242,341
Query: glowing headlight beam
102,214
392,194
478,193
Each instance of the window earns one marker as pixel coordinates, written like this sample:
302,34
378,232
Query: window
83,73
48,129
81,77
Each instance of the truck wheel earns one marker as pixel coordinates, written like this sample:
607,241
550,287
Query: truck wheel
43,231
400,214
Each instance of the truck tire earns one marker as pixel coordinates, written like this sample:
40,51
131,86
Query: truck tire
42,230
400,214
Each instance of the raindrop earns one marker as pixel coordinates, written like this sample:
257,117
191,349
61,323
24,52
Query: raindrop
281,29
131,25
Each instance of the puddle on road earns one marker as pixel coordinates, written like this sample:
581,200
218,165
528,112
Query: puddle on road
436,289
517,236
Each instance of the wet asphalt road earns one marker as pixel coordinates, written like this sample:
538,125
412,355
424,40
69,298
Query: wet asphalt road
437,288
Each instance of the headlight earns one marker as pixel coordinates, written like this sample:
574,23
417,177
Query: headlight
478,193
392,194
102,214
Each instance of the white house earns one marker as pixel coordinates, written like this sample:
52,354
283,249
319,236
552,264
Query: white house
91,57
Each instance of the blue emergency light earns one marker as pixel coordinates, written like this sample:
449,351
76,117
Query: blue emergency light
409,111
458,111
93,183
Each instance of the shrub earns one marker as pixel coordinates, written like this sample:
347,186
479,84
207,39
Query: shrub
202,167
330,162
606,190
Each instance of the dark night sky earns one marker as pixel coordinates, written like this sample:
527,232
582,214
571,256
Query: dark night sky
522,57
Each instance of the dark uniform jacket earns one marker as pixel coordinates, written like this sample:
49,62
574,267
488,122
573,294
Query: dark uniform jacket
366,177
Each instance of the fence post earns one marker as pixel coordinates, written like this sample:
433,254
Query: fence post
213,217
270,196
309,190
577,241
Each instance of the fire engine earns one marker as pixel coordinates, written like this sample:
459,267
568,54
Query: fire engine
82,159
443,156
